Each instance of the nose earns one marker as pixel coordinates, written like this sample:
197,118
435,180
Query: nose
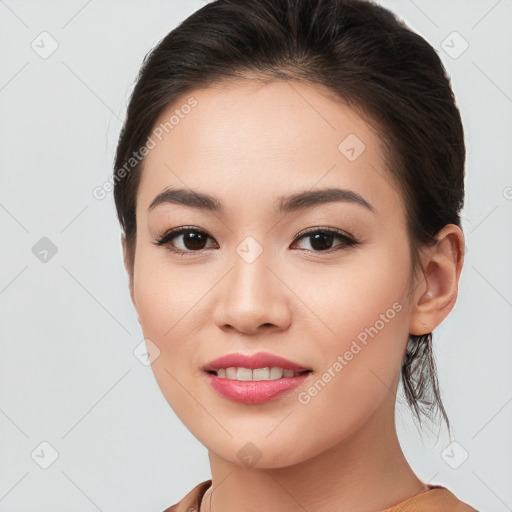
253,298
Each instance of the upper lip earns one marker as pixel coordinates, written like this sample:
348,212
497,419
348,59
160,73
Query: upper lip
259,360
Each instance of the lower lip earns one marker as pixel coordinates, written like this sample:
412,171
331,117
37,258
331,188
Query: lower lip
254,392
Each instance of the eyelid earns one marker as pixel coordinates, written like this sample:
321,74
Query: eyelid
174,232
324,229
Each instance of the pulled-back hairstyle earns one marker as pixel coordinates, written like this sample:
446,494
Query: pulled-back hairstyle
371,61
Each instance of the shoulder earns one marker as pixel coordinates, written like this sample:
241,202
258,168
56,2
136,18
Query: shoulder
192,501
436,498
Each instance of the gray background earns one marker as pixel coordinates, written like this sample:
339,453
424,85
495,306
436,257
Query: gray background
68,375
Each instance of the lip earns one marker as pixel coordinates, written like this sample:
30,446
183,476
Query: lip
259,360
254,392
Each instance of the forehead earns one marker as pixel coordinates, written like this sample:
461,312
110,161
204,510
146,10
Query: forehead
249,138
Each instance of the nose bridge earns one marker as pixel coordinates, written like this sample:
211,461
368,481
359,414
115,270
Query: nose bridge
252,295
251,279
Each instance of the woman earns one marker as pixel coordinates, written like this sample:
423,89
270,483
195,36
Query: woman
289,180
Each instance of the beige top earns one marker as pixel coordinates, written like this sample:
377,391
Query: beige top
435,498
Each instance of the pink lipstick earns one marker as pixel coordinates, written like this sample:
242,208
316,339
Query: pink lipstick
254,379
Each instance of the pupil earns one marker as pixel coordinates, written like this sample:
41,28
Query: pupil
193,240
319,238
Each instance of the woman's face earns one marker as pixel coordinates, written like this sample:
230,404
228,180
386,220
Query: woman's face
256,282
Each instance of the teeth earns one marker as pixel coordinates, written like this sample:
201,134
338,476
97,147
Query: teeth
276,373
231,373
247,374
244,374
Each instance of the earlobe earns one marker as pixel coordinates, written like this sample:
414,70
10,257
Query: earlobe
436,292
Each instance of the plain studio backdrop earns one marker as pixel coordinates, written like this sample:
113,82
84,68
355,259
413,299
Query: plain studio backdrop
83,424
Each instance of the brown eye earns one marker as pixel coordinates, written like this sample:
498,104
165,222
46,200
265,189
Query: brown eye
192,240
321,240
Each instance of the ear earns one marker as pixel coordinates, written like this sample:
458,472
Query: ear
128,267
436,291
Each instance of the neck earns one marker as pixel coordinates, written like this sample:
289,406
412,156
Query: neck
365,471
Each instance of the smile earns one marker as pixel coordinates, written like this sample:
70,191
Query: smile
256,374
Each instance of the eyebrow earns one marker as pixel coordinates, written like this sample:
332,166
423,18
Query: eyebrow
284,204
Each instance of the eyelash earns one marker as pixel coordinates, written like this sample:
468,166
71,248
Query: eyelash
347,241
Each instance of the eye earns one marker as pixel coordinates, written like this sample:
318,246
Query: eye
321,239
193,240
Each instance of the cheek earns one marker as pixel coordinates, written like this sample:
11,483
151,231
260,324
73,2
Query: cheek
369,287
360,364
166,299
166,296
364,310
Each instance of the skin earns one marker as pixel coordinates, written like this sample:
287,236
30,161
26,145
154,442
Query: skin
247,144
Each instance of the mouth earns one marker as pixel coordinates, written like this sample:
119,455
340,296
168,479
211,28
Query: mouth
254,379
256,374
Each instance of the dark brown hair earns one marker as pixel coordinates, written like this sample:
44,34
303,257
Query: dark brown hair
368,59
